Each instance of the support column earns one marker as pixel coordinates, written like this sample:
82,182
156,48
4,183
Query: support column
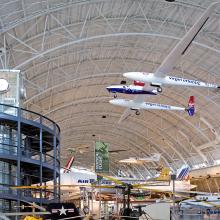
18,179
58,147
173,178
41,157
54,162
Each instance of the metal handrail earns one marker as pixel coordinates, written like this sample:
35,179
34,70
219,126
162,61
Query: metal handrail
33,193
47,158
32,112
14,140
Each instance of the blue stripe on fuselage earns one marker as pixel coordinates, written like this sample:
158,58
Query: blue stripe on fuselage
181,174
184,172
130,91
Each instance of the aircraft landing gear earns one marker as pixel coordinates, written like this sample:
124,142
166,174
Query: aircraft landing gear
159,89
137,112
115,95
158,86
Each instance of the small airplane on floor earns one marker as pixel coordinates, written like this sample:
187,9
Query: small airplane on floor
137,88
203,200
182,182
160,77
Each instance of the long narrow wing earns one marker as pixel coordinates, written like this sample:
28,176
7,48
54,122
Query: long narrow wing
128,111
125,115
180,49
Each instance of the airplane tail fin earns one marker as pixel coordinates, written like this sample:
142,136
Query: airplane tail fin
191,106
164,175
183,173
69,164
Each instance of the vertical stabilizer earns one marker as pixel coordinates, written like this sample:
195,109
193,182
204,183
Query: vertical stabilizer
69,165
183,173
191,106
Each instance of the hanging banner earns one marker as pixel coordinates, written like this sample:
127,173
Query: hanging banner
101,157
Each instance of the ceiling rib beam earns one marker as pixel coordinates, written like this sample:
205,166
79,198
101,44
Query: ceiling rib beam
98,37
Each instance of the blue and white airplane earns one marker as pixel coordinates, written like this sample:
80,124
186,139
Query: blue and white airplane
206,200
160,77
137,88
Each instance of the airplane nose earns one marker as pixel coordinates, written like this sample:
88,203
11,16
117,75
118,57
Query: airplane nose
131,75
108,88
115,101
112,101
127,74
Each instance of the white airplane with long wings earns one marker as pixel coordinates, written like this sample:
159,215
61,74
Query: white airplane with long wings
138,103
141,160
160,77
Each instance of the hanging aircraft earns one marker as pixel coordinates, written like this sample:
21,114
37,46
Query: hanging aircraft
160,77
138,160
137,88
138,104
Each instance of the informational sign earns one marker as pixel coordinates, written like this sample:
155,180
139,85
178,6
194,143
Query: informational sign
101,157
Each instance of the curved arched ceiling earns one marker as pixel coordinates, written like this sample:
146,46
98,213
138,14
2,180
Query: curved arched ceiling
70,51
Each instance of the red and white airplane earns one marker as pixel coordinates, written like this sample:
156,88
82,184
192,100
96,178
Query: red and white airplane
160,76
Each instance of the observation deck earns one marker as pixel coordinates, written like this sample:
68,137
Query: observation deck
29,155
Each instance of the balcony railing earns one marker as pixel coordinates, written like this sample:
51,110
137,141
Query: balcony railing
30,115
6,149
